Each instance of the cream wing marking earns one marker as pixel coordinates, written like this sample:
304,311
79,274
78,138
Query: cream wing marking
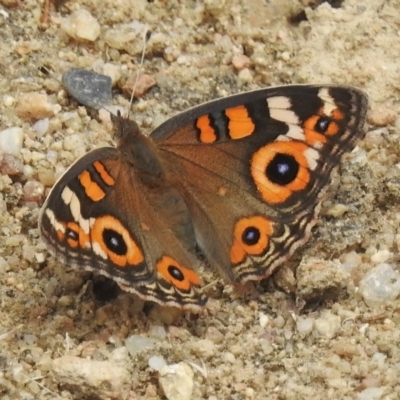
71,199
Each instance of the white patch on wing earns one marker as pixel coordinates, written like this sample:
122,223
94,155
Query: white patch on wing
281,102
72,200
312,156
58,226
283,115
98,250
329,102
296,132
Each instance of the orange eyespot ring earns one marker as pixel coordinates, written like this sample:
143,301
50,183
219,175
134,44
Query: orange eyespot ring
251,236
177,275
111,239
279,169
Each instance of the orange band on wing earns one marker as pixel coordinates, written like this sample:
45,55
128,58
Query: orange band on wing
272,192
207,132
337,114
240,123
333,129
261,229
92,189
185,278
105,176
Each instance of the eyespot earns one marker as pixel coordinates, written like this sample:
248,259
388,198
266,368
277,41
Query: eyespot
281,168
110,239
322,124
251,236
74,235
114,242
177,275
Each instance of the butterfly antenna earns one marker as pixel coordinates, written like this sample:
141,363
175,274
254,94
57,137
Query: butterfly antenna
146,38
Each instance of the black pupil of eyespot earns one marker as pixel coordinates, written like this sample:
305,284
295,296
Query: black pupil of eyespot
322,124
114,241
176,273
71,234
251,236
283,169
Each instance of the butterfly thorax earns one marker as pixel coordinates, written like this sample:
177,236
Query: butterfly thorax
139,152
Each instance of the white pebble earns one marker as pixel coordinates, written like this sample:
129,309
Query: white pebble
264,319
379,359
81,25
11,140
157,362
27,171
304,325
371,393
8,100
328,325
136,344
228,357
245,75
120,354
380,285
176,381
157,332
381,256
41,127
73,142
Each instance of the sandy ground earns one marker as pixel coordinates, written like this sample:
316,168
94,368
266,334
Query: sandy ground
320,342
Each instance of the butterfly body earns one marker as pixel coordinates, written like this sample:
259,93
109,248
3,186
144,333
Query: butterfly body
234,182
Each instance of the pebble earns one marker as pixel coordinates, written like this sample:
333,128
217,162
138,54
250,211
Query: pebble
34,106
328,325
204,348
33,191
176,380
11,140
144,83
119,37
136,344
263,320
157,363
228,357
240,61
215,335
41,127
157,332
81,25
304,325
94,378
46,177
381,285
381,116
316,278
371,393
245,76
11,165
381,256
72,142
88,87
113,71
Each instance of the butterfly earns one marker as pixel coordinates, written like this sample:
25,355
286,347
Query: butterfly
232,185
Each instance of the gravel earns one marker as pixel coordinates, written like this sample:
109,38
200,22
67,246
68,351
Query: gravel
329,330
